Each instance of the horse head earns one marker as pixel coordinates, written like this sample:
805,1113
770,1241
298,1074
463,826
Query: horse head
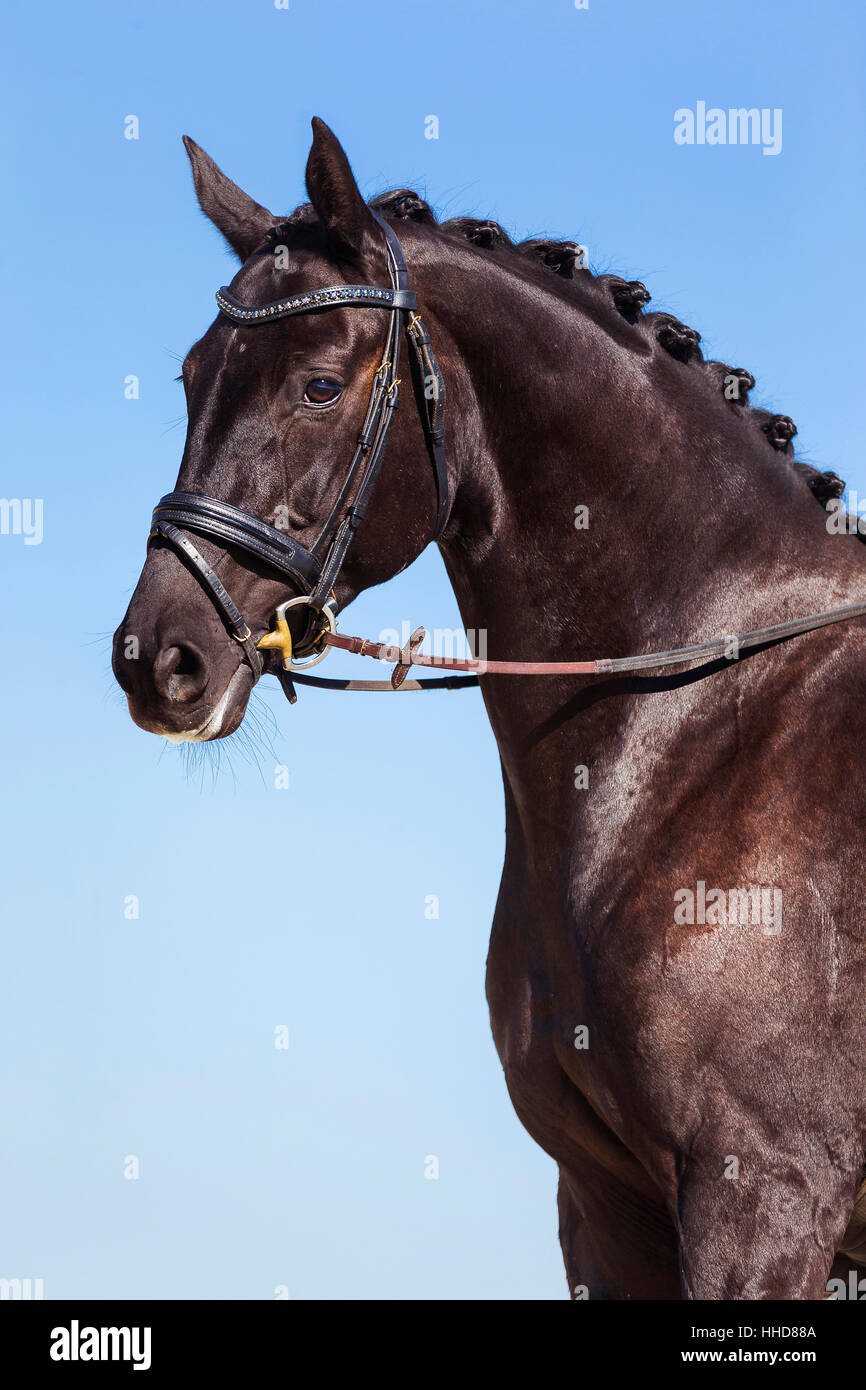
291,398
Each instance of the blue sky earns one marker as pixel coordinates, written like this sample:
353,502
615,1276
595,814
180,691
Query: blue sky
154,1037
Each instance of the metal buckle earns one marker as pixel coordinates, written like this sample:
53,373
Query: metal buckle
281,639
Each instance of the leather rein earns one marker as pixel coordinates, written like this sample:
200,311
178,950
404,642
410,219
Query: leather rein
408,656
314,571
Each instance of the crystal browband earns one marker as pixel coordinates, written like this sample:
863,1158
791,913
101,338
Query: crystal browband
327,298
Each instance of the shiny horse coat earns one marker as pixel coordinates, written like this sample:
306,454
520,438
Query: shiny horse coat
696,1069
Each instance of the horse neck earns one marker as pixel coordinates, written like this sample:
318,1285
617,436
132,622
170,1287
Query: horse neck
696,527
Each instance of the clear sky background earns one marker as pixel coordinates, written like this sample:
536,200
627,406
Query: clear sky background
155,1037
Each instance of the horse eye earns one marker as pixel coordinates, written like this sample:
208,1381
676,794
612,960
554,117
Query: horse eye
322,391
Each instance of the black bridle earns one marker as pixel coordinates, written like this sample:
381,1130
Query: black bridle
313,573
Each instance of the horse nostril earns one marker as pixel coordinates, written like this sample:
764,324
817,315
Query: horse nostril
179,673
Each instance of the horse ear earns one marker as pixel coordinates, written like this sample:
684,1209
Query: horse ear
335,195
243,222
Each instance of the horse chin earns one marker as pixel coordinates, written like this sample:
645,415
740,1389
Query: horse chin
225,716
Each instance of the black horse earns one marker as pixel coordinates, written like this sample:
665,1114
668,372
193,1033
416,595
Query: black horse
678,960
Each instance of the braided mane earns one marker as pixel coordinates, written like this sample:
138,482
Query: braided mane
626,298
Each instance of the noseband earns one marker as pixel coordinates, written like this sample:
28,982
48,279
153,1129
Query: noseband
314,572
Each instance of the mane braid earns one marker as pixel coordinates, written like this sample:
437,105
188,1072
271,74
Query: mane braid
628,299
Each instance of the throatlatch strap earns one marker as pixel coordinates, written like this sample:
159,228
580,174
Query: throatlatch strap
430,388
